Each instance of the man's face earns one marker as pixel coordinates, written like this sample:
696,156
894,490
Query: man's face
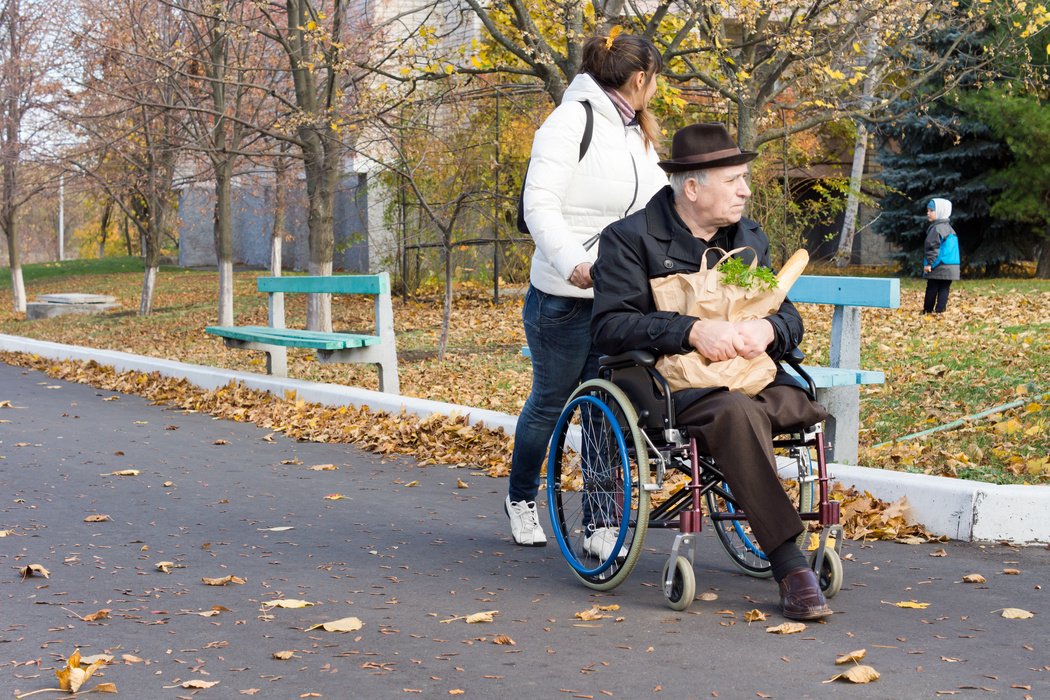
721,201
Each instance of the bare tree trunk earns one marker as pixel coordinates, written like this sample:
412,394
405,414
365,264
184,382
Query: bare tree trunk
127,236
1042,269
151,253
860,154
9,221
446,319
280,207
18,287
149,285
224,240
321,172
745,137
849,223
12,117
280,195
103,228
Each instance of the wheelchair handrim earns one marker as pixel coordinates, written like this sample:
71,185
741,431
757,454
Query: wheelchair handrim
554,473
744,537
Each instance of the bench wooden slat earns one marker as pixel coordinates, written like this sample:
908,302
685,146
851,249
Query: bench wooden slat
335,284
294,338
827,377
875,292
351,340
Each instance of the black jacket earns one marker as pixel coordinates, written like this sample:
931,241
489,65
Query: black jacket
655,242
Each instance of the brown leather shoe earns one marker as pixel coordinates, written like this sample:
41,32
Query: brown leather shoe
801,597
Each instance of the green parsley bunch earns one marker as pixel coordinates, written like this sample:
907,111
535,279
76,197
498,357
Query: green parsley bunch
736,273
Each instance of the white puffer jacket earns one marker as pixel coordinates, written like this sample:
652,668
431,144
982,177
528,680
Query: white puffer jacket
567,201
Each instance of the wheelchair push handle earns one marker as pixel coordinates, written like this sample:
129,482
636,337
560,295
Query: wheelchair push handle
794,359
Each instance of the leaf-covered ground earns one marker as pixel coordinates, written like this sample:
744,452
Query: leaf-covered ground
991,349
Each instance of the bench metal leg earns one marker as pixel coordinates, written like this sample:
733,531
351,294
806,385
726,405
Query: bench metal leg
388,379
276,355
277,362
843,402
384,356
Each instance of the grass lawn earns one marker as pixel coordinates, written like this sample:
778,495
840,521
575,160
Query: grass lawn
991,348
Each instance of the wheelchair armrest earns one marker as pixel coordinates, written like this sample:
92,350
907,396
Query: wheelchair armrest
795,358
634,358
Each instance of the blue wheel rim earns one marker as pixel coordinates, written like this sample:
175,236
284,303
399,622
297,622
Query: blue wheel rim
553,474
744,537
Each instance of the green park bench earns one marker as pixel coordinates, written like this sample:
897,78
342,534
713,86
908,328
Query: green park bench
378,348
838,384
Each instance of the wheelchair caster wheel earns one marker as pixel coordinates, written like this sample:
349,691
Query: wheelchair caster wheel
683,585
830,574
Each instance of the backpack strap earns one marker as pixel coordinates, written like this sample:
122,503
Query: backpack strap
585,143
588,129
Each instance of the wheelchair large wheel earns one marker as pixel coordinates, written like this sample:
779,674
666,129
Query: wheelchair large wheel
596,472
736,537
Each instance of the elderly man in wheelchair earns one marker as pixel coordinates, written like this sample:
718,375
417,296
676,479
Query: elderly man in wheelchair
724,440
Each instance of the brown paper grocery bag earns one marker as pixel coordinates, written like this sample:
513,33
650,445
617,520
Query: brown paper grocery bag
693,370
703,295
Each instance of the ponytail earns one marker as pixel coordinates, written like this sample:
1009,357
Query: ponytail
612,60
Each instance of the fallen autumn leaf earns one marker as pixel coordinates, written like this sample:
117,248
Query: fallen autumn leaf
852,656
346,624
224,580
33,569
857,674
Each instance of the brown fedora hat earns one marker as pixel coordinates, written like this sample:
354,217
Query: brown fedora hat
702,146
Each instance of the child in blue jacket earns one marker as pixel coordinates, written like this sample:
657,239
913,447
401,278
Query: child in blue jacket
940,262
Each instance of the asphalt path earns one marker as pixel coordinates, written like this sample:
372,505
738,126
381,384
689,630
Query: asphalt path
411,551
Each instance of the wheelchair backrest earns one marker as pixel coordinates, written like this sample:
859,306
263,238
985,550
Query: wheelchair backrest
645,393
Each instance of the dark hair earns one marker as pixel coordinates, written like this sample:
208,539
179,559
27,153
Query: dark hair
612,63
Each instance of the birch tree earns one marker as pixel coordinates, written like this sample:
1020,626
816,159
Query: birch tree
29,49
129,108
223,93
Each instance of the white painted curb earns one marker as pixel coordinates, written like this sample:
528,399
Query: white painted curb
963,510
213,377
960,509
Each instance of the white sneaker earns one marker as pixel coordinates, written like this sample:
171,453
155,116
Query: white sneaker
601,542
525,524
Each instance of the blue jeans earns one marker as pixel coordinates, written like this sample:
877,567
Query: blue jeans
558,330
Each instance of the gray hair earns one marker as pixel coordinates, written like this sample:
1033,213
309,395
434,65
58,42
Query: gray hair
678,180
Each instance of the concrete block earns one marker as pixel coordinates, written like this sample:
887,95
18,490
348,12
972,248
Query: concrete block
51,305
962,510
1016,513
75,298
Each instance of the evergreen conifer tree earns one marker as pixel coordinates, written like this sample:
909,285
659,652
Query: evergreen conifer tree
947,150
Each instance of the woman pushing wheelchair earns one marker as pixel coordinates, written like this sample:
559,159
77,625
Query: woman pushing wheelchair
593,161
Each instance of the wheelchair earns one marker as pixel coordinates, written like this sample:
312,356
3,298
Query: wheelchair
615,445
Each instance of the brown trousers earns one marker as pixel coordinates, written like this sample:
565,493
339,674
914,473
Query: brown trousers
737,431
